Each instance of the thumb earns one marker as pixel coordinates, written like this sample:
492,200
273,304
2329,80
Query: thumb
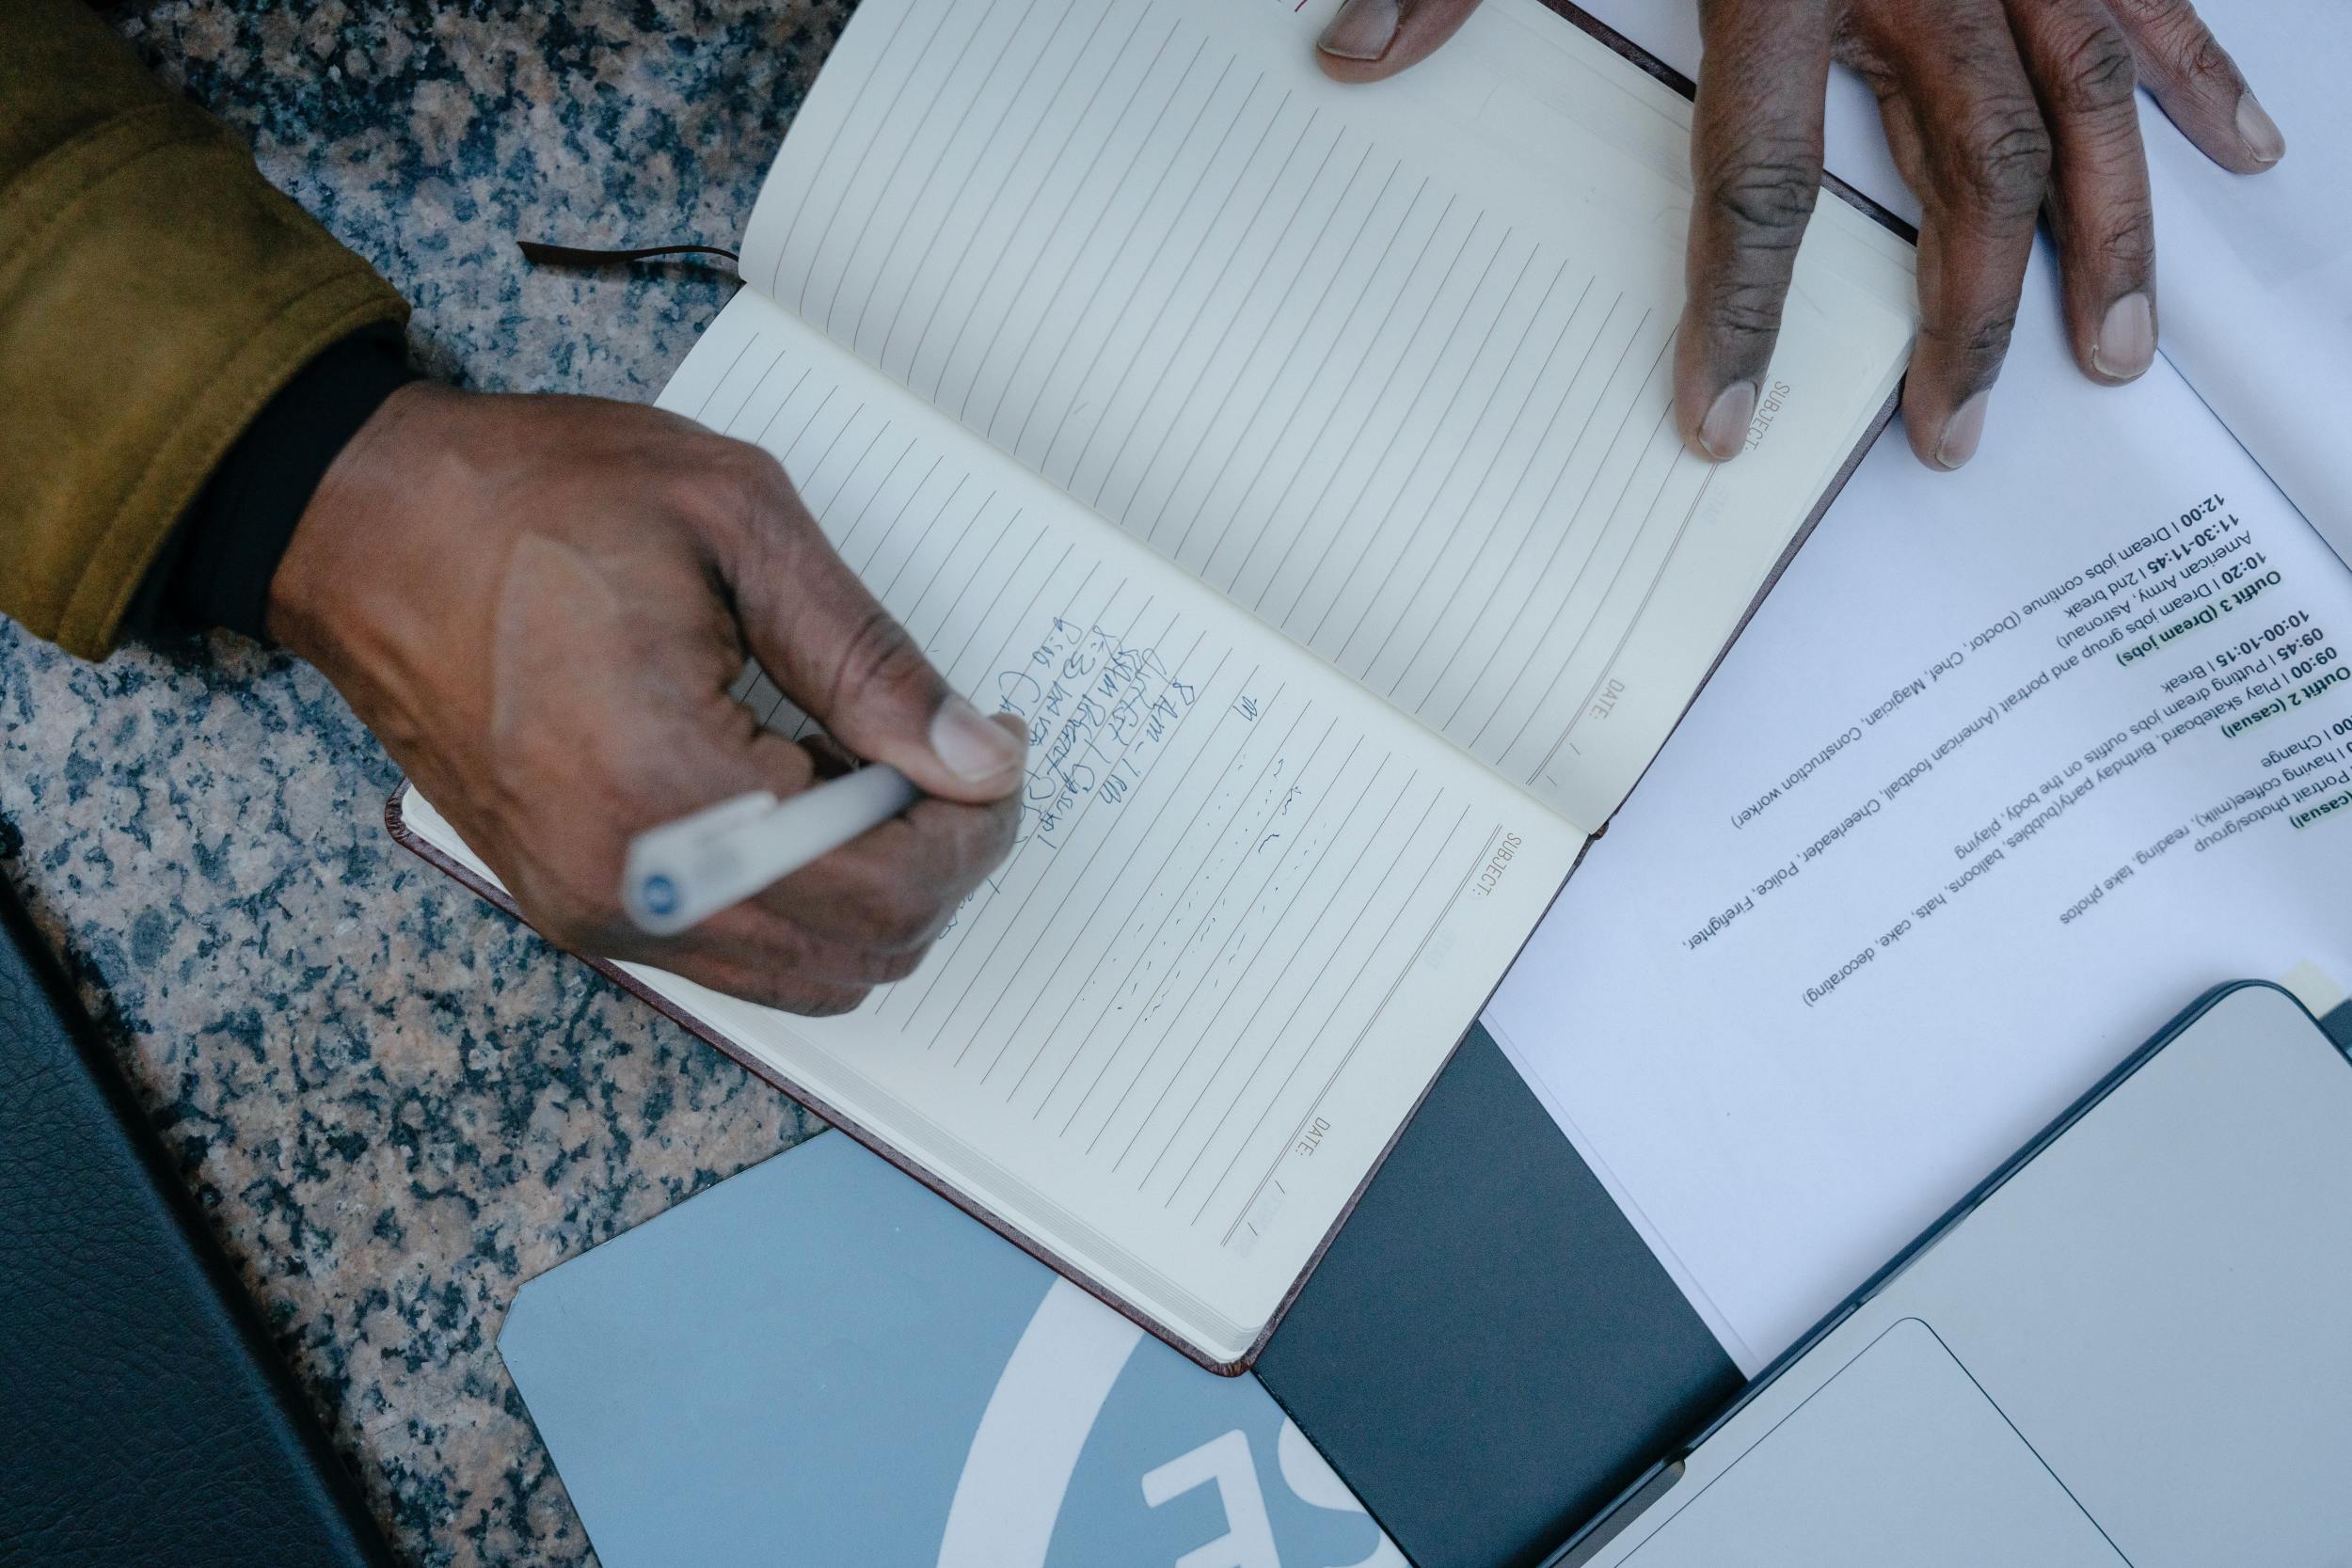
831,647
1372,39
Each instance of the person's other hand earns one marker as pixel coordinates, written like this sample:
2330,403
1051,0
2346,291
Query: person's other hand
1992,107
539,603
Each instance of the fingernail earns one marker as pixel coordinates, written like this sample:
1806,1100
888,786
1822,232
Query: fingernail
1724,430
1963,432
2127,339
2260,132
973,750
1362,31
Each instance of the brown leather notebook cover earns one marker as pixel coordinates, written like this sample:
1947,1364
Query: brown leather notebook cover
402,833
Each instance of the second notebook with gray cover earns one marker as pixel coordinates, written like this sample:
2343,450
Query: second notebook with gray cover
1490,1352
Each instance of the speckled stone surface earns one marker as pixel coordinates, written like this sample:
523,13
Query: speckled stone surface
395,1103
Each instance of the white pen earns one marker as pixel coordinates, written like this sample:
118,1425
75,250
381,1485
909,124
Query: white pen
682,872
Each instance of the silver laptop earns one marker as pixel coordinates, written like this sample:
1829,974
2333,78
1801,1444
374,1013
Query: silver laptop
2133,1346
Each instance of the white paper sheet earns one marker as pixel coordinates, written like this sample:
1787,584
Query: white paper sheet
1793,1006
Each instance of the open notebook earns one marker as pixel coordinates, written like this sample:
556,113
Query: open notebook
1299,460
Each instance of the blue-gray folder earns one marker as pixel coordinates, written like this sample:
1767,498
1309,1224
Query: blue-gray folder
819,1361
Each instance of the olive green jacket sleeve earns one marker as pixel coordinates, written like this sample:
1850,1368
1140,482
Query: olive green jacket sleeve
154,292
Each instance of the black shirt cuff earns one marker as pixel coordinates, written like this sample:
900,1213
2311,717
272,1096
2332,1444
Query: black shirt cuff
216,568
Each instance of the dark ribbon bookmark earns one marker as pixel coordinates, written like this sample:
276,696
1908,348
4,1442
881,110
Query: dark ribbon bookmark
574,255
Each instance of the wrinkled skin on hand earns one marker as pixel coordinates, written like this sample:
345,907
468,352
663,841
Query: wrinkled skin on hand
1997,111
539,604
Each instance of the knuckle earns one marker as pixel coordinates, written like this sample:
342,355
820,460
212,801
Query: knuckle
1744,311
739,490
861,911
1985,344
1768,193
567,928
888,969
2003,166
2128,246
905,920
784,995
971,839
827,1000
2094,75
889,909
1003,830
730,474
573,921
757,984
2203,59
878,658
2175,39
781,986
752,469
978,843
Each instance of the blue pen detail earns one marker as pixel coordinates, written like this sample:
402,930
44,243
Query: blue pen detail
658,893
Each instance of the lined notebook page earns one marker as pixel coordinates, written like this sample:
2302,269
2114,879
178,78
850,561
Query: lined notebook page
1249,910
1388,366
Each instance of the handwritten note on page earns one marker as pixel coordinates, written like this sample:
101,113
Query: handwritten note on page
1250,907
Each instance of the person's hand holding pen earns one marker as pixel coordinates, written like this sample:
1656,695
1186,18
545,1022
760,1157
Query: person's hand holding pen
1995,109
539,606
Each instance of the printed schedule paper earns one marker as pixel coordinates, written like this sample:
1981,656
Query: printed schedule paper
1299,461
2042,701
2080,748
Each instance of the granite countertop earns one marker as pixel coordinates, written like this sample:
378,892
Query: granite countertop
395,1103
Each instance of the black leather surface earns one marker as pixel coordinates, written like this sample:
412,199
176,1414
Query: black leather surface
144,1417
1489,1352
